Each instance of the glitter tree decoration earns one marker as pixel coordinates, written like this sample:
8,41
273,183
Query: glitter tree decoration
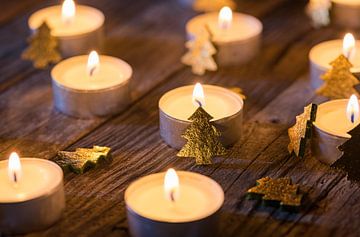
277,192
301,131
43,48
349,162
339,82
199,56
83,159
318,11
202,139
212,5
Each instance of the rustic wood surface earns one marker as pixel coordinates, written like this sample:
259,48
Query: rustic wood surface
150,36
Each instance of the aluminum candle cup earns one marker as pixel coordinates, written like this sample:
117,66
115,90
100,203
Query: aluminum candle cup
346,13
176,107
237,41
36,201
77,33
322,54
330,130
195,211
78,94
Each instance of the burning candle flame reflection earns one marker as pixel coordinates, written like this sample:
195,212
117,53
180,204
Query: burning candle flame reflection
68,11
198,96
171,185
349,46
225,18
352,109
93,63
14,168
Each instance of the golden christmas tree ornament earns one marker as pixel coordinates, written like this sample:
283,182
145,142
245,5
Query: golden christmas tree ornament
277,192
83,159
339,82
212,5
199,56
202,139
43,48
349,162
319,12
301,131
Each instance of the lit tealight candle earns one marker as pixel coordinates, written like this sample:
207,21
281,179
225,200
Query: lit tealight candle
225,18
323,54
236,35
79,28
334,120
173,204
32,194
346,13
176,106
91,86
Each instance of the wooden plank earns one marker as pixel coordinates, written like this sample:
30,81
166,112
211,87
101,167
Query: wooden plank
13,36
95,205
152,155
41,81
32,98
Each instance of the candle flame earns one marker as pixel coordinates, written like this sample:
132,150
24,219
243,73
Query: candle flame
68,11
198,96
14,167
171,185
349,46
93,63
352,109
225,18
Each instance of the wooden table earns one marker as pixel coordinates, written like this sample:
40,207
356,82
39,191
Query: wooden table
150,36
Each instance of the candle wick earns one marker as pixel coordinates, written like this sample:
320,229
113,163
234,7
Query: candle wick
92,70
172,196
352,117
15,177
199,103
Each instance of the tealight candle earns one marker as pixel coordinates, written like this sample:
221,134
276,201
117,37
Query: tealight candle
236,35
346,13
324,53
78,28
334,120
91,86
176,106
32,194
173,204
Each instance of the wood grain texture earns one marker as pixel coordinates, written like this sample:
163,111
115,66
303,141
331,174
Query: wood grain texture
150,36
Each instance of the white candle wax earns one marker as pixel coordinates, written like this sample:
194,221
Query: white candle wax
237,40
219,102
323,54
35,201
77,33
87,19
94,90
242,27
199,197
39,178
331,118
72,73
347,2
